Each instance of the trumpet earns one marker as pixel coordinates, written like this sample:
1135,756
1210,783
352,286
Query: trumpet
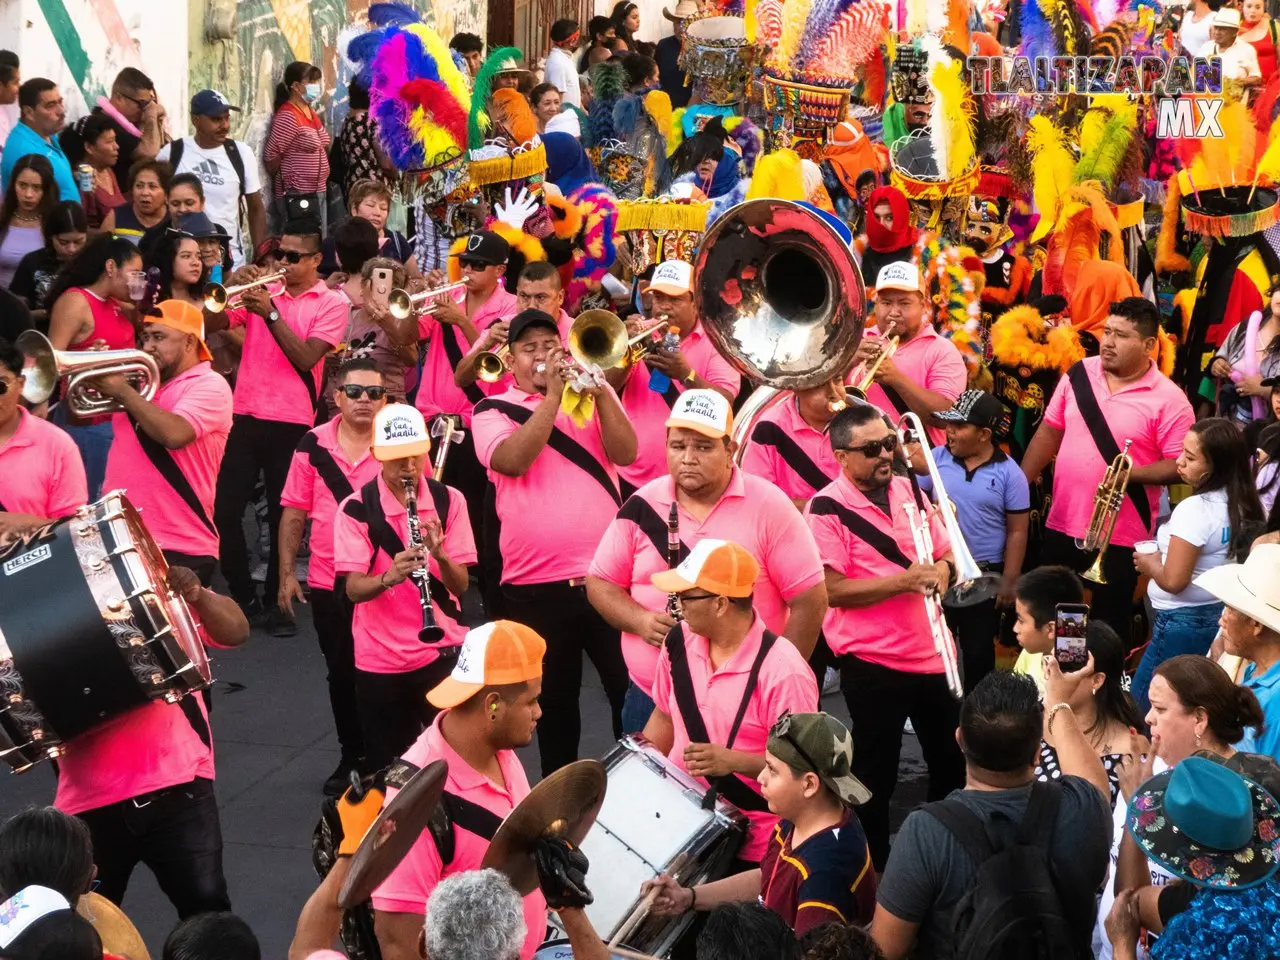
599,338
218,298
45,366
864,376
492,365
402,303
1106,511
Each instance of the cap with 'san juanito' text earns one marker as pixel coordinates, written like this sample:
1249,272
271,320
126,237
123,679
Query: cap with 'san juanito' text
399,431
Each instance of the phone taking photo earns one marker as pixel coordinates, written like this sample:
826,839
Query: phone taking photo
1070,627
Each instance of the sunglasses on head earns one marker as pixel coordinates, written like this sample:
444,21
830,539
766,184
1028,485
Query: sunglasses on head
291,256
872,448
352,391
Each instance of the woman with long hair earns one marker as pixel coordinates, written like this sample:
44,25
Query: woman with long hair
65,229
88,313
101,153
1266,466
626,23
181,272
1103,710
296,154
1213,526
31,194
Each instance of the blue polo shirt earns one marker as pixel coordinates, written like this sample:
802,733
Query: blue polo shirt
22,141
1266,687
983,498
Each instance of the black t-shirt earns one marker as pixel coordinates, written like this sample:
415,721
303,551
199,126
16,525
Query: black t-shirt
14,316
34,276
73,147
670,77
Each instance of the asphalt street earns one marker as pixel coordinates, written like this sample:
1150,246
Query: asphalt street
275,744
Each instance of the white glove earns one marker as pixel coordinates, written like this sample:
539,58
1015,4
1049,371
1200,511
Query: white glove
516,212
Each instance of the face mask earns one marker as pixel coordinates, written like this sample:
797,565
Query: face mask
312,92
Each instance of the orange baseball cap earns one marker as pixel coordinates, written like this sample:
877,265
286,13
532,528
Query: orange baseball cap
185,318
492,655
721,567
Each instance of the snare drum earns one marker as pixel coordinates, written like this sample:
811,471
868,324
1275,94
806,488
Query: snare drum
652,813
89,629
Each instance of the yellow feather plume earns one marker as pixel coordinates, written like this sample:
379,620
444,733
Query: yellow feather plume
658,103
749,23
950,109
794,17
1052,162
1268,170
1228,159
779,174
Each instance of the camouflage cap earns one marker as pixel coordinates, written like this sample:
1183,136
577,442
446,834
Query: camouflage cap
821,744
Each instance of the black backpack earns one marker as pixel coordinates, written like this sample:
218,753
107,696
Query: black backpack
1013,910
178,147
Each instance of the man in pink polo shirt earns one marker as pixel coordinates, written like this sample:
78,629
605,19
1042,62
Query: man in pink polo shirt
714,499
372,546
878,626
287,334
1100,404
926,374
166,451
490,709
41,474
788,445
650,388
331,463
556,489
723,679
143,781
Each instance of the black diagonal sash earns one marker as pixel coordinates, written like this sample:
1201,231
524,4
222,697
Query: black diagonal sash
772,435
449,337
326,467
731,787
191,710
560,442
1087,403
385,538
640,512
862,528
895,398
470,816
306,376
168,468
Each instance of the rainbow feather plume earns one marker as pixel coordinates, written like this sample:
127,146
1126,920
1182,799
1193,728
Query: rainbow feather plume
478,123
388,76
853,40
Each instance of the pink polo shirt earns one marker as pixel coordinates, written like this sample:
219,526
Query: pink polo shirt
202,398
268,386
41,472
786,683
781,440
751,512
649,410
386,628
932,361
411,882
437,392
321,476
894,632
552,517
1152,412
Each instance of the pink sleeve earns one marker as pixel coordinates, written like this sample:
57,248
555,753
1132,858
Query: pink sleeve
828,535
790,686
719,373
427,325
488,429
299,485
1172,426
615,555
1055,414
412,881
284,129
662,681
330,322
206,406
760,460
68,488
352,549
947,375
460,540
237,317
791,559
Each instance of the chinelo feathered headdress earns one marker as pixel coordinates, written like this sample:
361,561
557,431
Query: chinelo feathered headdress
502,60
940,161
825,43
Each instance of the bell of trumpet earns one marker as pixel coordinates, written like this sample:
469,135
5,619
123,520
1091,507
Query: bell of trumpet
218,298
492,365
599,337
402,303
45,366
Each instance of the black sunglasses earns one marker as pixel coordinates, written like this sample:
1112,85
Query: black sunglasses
4,386
474,264
352,391
292,256
872,448
686,597
782,730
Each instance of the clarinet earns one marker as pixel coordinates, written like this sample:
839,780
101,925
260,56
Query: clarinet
430,632
673,558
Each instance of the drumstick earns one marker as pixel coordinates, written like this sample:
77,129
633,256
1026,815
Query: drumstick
643,907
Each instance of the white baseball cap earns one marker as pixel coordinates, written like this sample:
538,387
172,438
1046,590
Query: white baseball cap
672,277
704,411
399,431
899,275
26,907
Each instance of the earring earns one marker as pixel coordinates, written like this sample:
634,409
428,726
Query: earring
1198,738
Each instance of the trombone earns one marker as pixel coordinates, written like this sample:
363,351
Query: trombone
218,298
864,376
402,303
1106,511
45,366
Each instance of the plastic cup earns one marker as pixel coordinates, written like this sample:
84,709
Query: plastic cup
1146,546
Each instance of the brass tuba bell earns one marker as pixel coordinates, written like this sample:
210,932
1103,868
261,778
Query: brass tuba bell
45,366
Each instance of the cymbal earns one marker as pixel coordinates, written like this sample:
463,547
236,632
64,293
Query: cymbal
565,803
118,934
393,833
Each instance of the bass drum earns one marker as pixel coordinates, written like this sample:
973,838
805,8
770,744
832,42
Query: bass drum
560,950
89,629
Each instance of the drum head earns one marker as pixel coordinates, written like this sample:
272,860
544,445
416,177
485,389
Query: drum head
118,934
722,31
391,835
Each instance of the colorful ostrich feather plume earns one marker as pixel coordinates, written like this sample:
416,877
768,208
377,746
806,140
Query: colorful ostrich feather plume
1102,159
478,125
951,123
852,43
1052,162
768,22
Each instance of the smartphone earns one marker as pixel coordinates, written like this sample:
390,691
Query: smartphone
381,287
1069,646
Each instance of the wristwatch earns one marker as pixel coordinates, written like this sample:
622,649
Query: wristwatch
272,317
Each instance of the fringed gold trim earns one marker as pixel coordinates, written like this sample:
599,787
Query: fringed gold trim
1231,224
935,189
1128,214
663,214
522,166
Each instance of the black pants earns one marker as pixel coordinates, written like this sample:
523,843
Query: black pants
254,446
570,625
332,612
1112,603
176,833
463,472
880,701
975,629
394,710
202,567
820,660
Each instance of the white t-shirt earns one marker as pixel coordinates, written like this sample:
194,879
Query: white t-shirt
1239,61
1202,521
1195,33
221,184
561,71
